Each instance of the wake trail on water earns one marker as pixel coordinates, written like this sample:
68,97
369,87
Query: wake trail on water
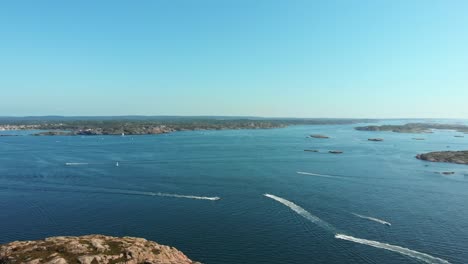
302,212
98,190
314,219
320,175
212,198
404,251
380,221
76,163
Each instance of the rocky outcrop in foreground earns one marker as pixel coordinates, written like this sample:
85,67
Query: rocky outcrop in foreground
91,249
459,157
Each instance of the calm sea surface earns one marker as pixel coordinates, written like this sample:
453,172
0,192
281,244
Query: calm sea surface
164,189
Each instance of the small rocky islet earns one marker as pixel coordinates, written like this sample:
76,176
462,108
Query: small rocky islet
91,249
311,150
448,172
319,136
330,151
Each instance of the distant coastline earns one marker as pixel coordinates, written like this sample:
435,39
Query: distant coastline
150,126
415,128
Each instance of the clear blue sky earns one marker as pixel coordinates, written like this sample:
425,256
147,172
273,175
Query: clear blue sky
239,57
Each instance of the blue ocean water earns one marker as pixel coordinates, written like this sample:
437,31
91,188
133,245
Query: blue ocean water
41,196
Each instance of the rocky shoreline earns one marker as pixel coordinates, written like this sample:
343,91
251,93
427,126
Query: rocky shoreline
91,249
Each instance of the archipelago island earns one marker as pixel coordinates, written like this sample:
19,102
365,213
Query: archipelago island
459,157
142,125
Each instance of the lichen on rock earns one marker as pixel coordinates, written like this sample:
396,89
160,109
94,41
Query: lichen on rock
91,249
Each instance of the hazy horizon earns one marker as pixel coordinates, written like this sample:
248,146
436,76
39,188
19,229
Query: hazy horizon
304,59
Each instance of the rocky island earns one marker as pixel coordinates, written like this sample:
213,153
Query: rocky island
448,172
414,128
459,157
319,136
91,249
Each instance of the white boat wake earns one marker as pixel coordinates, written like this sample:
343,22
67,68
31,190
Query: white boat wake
404,251
214,198
130,192
75,163
373,219
302,212
318,175
401,250
210,198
